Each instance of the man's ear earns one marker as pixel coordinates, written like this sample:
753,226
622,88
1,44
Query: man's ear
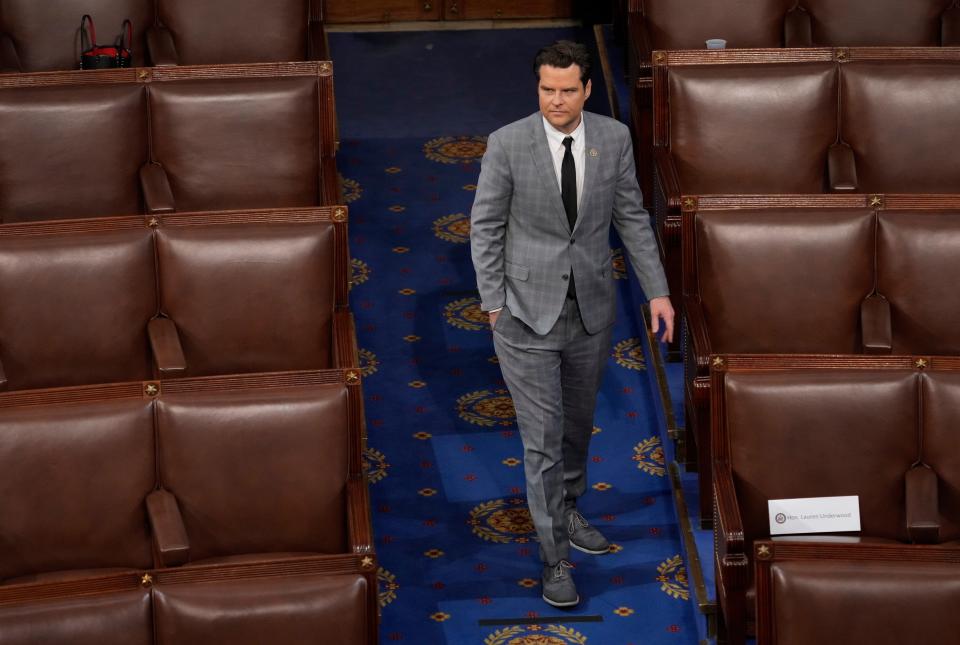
587,87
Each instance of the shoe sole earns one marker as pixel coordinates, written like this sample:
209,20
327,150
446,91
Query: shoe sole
586,550
561,604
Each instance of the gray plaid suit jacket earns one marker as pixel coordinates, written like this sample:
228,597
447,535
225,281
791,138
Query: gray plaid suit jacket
521,243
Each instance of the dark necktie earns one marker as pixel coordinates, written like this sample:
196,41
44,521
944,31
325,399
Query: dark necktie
568,182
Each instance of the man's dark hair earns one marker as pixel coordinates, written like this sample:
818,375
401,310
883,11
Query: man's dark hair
562,54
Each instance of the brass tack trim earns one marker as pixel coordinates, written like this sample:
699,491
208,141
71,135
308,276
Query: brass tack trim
921,363
353,377
763,552
146,580
151,389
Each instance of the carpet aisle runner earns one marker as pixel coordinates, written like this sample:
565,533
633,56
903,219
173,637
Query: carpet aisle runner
453,536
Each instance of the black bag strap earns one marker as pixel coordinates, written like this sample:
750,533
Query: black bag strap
125,39
88,39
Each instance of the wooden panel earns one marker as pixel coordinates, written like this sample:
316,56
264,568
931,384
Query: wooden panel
346,11
533,8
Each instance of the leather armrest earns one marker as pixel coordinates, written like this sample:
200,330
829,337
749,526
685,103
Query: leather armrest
169,533
841,168
317,41
729,524
699,339
160,46
358,515
157,195
165,343
344,340
950,26
797,28
9,61
875,327
923,509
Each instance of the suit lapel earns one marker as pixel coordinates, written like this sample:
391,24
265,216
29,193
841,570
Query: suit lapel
544,162
590,142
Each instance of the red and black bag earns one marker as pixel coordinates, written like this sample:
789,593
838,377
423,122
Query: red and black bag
94,56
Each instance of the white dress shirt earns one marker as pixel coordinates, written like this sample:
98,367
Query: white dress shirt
555,143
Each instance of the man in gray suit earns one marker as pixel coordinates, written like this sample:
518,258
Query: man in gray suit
550,187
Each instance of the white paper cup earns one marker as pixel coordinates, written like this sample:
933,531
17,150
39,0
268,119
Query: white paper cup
716,43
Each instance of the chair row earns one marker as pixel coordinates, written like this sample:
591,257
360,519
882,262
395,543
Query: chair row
43,36
770,122
116,142
822,274
855,592
661,24
883,429
127,477
184,294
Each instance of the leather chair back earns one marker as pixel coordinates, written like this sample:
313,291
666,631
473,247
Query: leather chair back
688,24
120,618
46,34
752,129
855,601
238,143
872,23
899,117
941,445
289,609
236,31
782,281
916,255
76,306
71,150
75,476
257,471
817,433
249,297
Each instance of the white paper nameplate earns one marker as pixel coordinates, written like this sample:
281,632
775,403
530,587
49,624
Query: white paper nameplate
814,515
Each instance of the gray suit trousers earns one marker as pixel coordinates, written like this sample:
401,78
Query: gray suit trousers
553,380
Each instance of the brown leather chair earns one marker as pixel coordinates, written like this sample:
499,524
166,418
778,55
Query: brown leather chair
850,592
239,471
807,427
211,33
871,23
917,101
292,609
70,150
261,141
289,601
256,292
917,252
76,473
115,618
44,36
77,301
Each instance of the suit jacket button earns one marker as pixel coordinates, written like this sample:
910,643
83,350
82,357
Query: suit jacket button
572,241
565,276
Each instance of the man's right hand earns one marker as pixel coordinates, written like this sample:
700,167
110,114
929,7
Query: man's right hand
493,317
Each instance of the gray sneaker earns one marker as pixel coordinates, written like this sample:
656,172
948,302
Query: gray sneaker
584,537
558,587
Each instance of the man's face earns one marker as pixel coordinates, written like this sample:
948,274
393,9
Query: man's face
562,96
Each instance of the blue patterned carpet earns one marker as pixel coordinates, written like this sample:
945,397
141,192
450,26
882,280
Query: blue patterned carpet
453,536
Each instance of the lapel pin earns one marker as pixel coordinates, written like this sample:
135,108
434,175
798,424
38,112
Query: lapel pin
594,152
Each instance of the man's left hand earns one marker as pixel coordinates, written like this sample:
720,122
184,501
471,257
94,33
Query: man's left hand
660,308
